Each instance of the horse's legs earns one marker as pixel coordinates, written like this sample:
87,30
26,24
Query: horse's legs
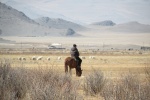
70,70
66,68
77,71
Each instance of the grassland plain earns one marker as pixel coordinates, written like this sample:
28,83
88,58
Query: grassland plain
113,65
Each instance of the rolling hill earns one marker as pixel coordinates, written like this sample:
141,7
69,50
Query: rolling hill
58,23
16,23
104,23
131,27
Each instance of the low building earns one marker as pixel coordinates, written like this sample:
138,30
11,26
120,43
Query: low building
55,46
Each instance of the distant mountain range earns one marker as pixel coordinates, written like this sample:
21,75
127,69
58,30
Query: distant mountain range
104,23
130,27
16,23
6,41
58,23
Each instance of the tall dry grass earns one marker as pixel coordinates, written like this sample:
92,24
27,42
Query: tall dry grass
129,86
21,83
13,82
35,84
94,83
147,73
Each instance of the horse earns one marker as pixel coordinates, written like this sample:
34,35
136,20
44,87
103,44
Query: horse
72,63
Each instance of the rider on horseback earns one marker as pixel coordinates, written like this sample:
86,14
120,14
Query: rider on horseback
75,54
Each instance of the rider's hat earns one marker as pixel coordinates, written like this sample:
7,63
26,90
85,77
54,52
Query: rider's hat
74,45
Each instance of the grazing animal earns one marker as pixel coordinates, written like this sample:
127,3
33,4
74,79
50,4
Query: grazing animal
21,58
92,57
40,58
48,58
33,58
59,58
69,61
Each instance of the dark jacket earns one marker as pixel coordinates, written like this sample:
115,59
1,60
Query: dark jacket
74,52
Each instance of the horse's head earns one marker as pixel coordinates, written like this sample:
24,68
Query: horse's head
78,72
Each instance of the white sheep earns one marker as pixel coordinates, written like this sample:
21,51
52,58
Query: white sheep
92,57
58,58
33,58
48,58
40,58
21,58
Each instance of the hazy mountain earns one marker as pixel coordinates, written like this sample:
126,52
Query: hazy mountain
58,23
15,23
85,11
104,23
70,32
5,41
131,27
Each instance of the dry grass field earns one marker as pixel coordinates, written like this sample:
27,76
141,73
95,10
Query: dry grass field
104,70
112,62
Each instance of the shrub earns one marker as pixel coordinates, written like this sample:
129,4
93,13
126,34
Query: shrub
36,84
94,83
127,88
13,84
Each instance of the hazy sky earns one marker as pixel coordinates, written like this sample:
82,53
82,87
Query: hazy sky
86,11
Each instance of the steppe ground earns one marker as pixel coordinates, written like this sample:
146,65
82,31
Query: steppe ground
111,51
113,63
113,56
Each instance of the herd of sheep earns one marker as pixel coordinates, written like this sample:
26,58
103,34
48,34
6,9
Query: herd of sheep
37,58
49,58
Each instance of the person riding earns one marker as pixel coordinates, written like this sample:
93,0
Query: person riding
75,54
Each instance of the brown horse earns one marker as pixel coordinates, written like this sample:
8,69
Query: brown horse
69,61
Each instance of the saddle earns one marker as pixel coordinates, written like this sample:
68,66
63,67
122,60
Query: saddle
74,58
76,62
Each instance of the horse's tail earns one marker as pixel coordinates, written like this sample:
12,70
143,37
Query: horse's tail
66,66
